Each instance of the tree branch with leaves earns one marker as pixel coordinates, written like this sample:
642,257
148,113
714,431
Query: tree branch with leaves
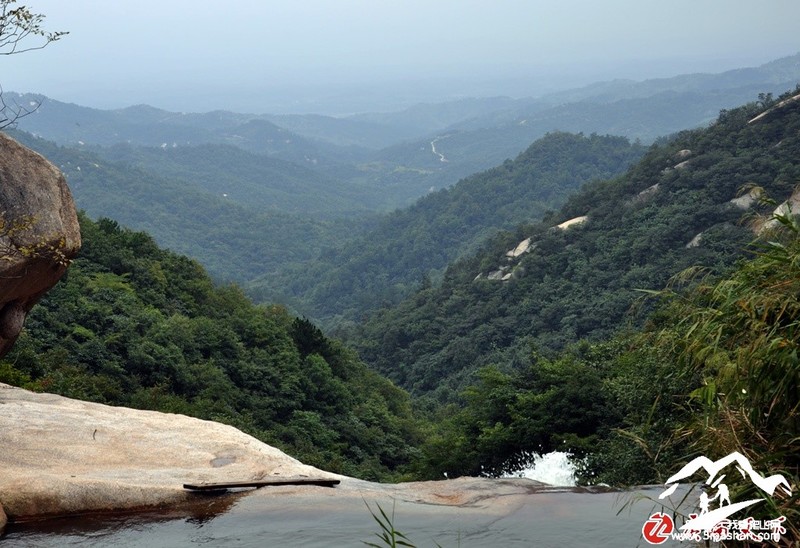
20,31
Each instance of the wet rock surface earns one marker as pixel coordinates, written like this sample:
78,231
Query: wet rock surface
61,456
474,512
118,474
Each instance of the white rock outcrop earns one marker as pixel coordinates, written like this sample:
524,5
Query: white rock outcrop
60,456
790,206
747,200
681,165
652,189
573,222
645,194
787,208
695,242
523,247
776,107
497,274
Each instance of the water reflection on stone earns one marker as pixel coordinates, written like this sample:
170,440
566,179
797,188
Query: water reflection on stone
514,512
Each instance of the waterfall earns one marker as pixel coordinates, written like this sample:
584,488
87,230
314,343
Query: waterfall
556,468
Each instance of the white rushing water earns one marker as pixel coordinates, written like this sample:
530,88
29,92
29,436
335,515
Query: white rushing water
554,468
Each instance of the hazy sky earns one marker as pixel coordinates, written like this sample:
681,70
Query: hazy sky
328,55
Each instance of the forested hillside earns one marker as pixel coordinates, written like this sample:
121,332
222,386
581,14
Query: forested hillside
544,287
234,239
562,353
410,245
713,372
220,171
249,179
135,325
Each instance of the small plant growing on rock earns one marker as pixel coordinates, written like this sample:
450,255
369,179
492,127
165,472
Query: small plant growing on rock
388,535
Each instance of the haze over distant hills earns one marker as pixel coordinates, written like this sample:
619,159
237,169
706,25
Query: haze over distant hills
69,123
256,195
407,153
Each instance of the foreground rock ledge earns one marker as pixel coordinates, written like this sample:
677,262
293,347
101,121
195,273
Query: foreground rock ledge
60,456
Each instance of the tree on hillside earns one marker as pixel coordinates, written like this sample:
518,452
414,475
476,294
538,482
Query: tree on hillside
20,31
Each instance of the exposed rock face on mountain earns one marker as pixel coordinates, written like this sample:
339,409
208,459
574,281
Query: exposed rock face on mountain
61,456
39,233
746,201
577,221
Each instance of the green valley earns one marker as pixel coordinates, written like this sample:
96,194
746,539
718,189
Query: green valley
411,245
511,269
134,325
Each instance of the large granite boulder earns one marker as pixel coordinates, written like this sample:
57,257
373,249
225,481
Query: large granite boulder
39,233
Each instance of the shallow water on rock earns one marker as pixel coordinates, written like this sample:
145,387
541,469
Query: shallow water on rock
256,519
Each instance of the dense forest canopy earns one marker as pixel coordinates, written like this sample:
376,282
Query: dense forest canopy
581,282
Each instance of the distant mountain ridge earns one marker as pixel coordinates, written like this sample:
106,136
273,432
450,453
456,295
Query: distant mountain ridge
638,110
142,124
74,125
262,180
777,72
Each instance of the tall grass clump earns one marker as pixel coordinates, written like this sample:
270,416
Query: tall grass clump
739,337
